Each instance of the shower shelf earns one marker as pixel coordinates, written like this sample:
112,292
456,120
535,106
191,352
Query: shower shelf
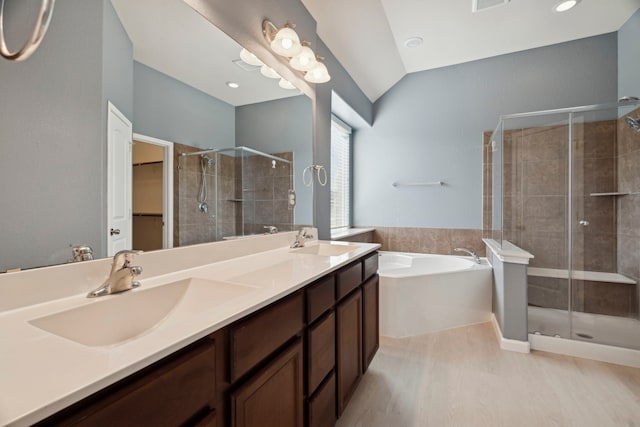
609,194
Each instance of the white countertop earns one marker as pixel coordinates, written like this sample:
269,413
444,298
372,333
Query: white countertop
42,373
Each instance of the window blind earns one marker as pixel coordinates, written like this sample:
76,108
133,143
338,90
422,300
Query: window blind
340,174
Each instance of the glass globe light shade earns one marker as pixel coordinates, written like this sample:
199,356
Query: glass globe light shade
318,74
286,42
269,72
250,58
305,60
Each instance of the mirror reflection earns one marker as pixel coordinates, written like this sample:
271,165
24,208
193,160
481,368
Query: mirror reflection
169,74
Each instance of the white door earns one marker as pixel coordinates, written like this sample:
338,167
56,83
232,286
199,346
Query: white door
119,177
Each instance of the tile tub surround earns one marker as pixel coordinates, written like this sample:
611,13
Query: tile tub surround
440,241
30,356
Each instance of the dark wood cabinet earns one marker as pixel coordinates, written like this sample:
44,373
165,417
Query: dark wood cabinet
294,363
169,393
273,396
348,347
370,320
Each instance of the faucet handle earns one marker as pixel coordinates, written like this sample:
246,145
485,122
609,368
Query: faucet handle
126,255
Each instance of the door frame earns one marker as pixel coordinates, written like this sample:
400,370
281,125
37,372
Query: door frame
167,185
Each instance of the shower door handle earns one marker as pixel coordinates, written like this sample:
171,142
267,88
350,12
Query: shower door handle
583,223
115,231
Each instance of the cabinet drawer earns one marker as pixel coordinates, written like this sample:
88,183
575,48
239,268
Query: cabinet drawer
370,265
320,298
321,356
348,279
167,396
261,334
322,406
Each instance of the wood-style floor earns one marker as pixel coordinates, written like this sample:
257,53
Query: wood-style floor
460,377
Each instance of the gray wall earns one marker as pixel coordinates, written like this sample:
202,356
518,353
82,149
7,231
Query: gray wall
168,109
280,126
429,127
629,57
51,144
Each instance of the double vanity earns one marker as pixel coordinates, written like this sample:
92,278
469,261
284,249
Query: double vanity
243,333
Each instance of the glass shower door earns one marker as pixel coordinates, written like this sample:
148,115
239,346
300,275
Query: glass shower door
535,214
603,236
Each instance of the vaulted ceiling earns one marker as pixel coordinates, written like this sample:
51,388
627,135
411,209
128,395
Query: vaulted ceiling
368,36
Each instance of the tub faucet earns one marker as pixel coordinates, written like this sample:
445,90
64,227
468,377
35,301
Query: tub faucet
475,256
301,238
121,277
271,229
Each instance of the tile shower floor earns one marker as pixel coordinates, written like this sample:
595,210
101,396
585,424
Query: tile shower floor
588,327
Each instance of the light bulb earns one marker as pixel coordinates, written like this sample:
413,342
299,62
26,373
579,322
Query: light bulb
286,42
303,61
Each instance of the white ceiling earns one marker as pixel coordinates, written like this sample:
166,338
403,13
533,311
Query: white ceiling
179,42
367,36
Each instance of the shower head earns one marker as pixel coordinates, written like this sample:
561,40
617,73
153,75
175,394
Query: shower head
633,123
210,162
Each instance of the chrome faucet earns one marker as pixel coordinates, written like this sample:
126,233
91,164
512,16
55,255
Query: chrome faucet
271,229
301,238
121,277
475,256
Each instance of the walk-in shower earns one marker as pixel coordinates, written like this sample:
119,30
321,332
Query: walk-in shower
565,186
232,192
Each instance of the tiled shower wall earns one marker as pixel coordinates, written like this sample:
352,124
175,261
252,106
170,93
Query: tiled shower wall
535,210
243,196
628,179
190,225
264,189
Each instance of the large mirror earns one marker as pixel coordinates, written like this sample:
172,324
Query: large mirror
167,70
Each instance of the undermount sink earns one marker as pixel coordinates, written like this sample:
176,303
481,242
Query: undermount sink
118,318
325,249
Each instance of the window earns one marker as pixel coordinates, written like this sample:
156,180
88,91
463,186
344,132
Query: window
340,174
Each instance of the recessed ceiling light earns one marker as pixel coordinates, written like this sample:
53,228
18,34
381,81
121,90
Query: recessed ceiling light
412,42
565,5
233,85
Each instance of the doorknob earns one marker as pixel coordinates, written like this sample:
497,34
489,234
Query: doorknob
115,231
583,223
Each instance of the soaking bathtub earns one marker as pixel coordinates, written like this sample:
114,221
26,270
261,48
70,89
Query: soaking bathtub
421,293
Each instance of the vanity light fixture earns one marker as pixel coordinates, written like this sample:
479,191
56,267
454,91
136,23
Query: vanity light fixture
565,5
285,42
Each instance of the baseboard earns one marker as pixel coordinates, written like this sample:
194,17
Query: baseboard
508,344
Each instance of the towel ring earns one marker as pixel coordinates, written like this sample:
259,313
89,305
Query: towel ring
44,17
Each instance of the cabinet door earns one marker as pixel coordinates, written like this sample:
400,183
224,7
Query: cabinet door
273,397
370,320
348,347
